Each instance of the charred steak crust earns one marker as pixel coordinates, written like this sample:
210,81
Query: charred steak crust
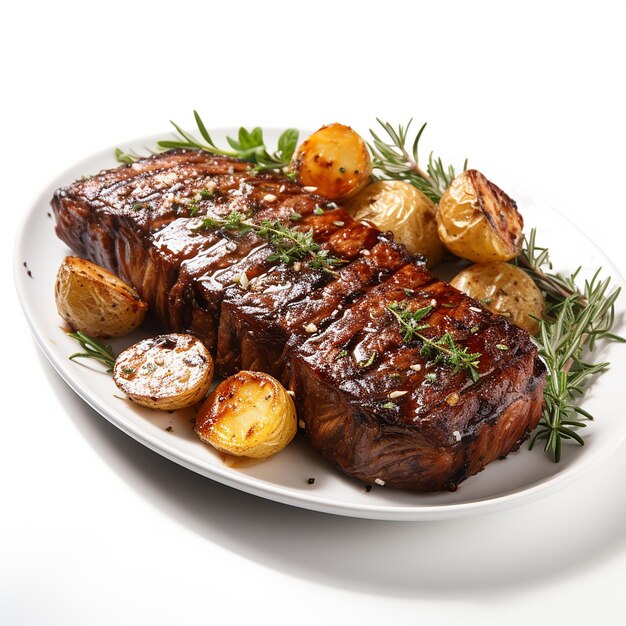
371,403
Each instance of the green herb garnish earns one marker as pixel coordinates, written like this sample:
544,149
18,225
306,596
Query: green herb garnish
442,350
290,244
367,362
126,157
410,321
93,349
393,160
576,319
248,146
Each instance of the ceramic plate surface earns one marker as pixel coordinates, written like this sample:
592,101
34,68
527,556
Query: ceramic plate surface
523,476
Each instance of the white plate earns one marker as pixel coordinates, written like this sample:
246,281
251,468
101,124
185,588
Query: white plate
523,476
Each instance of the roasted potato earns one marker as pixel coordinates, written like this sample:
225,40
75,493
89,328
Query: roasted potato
478,221
96,302
404,210
166,372
504,289
335,160
249,414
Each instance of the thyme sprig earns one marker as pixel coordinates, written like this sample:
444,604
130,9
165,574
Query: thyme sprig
393,159
93,349
290,244
443,350
410,321
575,320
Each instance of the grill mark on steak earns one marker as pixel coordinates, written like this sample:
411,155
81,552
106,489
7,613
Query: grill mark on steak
314,330
283,303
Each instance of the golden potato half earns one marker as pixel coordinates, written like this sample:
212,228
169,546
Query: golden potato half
166,372
404,210
478,221
335,160
504,289
96,302
249,414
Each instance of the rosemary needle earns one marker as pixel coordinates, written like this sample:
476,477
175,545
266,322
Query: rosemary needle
576,319
249,145
393,159
93,349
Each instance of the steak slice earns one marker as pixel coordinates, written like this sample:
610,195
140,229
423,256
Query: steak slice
383,412
284,304
378,407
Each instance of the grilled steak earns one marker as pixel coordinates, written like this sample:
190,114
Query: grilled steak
380,408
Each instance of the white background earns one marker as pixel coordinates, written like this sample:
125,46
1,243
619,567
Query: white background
95,529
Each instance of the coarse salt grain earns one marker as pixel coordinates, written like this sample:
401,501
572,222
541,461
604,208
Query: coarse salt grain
193,224
297,266
416,367
310,327
365,252
269,197
433,303
453,398
301,424
457,435
309,189
379,481
275,288
281,189
475,309
291,393
397,394
243,280
339,223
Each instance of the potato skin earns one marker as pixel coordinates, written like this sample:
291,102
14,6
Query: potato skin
504,289
249,414
166,372
404,210
96,302
335,160
478,221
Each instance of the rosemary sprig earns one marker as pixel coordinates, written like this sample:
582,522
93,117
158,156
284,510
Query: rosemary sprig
442,350
575,320
248,146
93,349
555,287
290,244
393,159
